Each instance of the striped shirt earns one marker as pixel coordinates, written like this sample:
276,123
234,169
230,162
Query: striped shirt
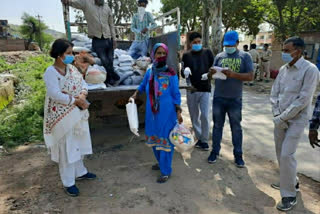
137,26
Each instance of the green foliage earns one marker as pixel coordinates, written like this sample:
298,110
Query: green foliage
23,122
191,11
33,30
290,17
4,66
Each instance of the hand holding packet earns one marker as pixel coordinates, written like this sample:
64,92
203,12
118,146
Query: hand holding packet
219,74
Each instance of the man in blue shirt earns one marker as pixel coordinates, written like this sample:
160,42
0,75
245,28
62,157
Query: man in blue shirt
142,24
228,95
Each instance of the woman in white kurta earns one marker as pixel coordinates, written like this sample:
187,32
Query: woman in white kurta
66,129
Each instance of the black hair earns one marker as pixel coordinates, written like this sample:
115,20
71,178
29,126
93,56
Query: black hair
143,1
297,42
59,47
245,47
267,45
194,35
253,46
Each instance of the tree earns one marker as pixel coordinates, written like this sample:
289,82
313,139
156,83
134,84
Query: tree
122,10
217,27
191,11
290,17
33,30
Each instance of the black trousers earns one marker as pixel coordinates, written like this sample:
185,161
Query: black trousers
104,49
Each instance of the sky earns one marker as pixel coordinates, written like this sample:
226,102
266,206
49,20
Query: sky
49,10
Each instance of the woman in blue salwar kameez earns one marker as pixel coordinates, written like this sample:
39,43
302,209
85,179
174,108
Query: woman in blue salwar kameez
161,85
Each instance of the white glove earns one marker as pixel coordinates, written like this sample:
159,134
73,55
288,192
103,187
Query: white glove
278,122
204,76
187,72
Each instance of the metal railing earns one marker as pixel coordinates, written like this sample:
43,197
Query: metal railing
166,19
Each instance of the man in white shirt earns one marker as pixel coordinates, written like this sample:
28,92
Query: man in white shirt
101,29
255,59
291,98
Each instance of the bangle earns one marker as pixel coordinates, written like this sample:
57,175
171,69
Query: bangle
84,92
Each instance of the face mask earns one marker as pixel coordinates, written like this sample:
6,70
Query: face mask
68,59
230,50
161,61
196,47
286,57
141,12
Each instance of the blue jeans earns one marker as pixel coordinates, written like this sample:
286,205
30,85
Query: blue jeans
232,107
138,49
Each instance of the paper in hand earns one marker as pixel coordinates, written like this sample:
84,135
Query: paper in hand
219,74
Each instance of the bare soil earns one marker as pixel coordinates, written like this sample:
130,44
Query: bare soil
30,183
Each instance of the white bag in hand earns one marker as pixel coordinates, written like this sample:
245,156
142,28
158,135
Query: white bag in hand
132,114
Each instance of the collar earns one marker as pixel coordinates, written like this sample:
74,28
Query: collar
298,64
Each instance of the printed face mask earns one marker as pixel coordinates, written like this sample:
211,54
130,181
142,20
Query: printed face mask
161,61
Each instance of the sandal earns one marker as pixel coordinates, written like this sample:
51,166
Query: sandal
162,179
155,167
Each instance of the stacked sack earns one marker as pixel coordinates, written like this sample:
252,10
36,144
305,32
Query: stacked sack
124,67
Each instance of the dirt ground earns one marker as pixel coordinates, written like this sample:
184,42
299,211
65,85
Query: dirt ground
29,182
13,57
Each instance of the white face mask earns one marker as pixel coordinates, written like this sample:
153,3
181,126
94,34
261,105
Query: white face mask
141,12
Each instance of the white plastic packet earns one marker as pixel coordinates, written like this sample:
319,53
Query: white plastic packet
182,138
96,74
132,113
219,74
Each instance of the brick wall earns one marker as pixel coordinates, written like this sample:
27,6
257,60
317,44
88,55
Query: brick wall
12,45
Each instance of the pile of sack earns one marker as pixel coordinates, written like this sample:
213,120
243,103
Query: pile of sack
130,71
127,68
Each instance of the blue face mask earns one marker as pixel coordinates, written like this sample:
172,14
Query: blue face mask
230,50
68,59
196,47
286,57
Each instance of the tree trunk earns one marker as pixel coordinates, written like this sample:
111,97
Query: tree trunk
216,26
206,23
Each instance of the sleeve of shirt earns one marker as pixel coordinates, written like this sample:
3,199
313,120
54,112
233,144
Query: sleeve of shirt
309,85
216,61
315,120
111,25
53,89
274,96
211,58
175,90
142,86
184,65
248,63
79,4
152,25
134,27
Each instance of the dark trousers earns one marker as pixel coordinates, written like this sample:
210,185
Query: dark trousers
104,49
232,107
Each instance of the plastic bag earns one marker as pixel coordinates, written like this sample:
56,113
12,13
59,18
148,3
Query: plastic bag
132,114
182,138
219,74
96,74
